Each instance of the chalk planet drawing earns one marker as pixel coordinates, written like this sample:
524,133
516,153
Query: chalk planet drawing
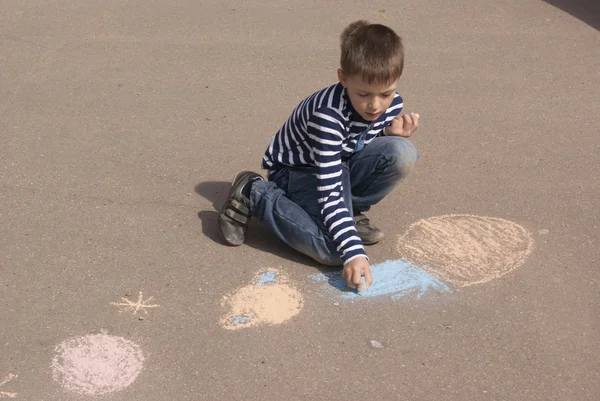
392,278
270,299
6,394
463,249
96,364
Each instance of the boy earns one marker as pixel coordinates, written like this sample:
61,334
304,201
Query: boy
341,151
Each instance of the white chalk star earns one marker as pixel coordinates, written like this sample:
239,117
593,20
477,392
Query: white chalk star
135,306
3,382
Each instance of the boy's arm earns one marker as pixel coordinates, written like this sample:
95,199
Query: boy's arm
325,130
392,113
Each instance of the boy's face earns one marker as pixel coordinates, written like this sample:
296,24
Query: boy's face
370,101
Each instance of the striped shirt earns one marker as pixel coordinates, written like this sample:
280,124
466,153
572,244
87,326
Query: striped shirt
323,131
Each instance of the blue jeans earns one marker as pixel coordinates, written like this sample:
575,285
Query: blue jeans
287,203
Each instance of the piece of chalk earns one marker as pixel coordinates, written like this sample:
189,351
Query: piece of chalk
363,286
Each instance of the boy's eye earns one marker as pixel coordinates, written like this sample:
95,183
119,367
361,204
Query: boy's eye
363,94
387,94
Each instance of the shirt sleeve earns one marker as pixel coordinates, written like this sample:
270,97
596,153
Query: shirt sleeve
394,110
325,129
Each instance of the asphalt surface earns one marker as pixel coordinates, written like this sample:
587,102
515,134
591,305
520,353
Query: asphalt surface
122,123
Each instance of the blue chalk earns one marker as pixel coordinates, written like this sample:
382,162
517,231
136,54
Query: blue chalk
266,278
240,320
363,286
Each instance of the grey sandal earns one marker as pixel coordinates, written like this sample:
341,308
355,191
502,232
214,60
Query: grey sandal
368,233
235,213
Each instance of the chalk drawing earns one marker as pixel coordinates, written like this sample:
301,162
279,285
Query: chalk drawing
240,320
5,394
267,277
96,364
464,250
140,304
393,278
270,299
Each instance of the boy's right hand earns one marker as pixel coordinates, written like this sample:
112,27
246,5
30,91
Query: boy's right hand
354,270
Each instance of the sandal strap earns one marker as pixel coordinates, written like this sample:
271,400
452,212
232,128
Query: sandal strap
233,214
239,206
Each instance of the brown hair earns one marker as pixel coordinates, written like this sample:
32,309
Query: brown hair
372,51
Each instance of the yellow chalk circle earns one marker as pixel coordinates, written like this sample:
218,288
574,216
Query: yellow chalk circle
269,300
463,250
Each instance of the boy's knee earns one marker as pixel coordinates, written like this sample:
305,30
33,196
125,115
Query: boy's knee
405,155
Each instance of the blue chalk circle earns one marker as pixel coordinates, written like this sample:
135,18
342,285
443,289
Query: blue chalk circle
266,278
240,320
394,278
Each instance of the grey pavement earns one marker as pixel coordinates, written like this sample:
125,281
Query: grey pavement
122,123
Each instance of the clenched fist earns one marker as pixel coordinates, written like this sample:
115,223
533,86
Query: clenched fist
354,270
404,125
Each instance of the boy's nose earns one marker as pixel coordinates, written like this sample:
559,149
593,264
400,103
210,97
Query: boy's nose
373,105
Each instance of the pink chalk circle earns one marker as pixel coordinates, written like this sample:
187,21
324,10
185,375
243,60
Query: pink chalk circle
96,364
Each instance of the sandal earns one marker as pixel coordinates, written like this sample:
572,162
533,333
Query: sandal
235,213
368,233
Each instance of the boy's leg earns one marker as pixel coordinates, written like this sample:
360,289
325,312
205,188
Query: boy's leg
374,172
287,205
378,167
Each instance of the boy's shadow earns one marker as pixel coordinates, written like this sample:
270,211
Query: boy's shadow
258,235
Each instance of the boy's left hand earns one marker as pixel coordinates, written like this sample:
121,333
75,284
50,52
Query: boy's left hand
404,125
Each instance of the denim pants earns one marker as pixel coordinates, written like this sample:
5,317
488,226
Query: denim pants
287,202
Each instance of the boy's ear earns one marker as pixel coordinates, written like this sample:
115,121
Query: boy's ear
342,77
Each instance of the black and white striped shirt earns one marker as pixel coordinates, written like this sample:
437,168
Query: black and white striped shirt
322,131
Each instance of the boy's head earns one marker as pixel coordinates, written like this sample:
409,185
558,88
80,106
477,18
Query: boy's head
371,63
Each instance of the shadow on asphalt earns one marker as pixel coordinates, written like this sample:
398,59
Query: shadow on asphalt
587,11
214,191
258,236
